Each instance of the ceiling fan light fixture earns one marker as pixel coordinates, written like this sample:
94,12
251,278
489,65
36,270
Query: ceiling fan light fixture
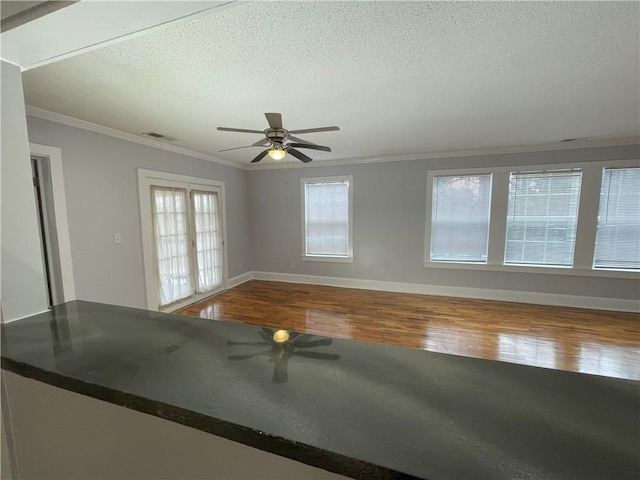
277,153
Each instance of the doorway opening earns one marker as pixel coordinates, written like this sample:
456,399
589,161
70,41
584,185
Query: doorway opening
43,190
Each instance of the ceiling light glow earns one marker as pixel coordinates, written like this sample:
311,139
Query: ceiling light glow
277,154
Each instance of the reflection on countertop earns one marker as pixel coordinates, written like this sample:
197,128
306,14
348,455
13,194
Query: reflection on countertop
356,408
572,339
281,350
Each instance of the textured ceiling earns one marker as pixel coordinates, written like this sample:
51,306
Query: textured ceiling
398,78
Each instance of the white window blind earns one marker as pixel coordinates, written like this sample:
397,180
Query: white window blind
542,217
460,218
618,235
170,222
208,239
326,222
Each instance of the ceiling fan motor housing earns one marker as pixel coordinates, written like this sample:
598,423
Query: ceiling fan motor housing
276,135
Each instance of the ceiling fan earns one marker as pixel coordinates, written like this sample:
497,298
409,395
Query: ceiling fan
279,141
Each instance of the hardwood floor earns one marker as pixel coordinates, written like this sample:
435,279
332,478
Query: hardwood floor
580,340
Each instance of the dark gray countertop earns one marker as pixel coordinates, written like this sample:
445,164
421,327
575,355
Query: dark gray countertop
359,409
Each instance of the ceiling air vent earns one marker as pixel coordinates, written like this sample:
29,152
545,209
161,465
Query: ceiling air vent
158,136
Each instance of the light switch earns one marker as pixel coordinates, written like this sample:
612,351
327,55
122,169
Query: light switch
117,239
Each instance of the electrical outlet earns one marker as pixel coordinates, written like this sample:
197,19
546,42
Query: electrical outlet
293,265
240,267
117,239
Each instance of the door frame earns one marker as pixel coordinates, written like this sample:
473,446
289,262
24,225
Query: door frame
146,178
54,154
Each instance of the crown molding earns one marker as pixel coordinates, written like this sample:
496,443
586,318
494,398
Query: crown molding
604,142
112,132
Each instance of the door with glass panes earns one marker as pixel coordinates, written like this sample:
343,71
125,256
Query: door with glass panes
188,242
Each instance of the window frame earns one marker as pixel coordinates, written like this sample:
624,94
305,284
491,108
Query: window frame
594,266
585,230
428,253
579,171
327,258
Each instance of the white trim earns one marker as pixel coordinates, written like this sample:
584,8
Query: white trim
11,63
112,132
585,229
145,179
596,303
26,316
606,142
239,279
130,137
327,258
60,209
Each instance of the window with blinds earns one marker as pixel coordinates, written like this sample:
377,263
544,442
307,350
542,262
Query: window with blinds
327,217
542,217
460,218
618,233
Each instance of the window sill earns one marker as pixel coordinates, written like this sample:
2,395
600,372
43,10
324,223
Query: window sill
321,258
546,270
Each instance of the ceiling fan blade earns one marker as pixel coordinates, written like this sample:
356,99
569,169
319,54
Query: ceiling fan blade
228,129
260,156
313,146
299,155
267,334
323,342
236,148
265,142
299,140
274,119
318,355
312,130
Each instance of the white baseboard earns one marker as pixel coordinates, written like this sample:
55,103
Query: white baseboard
9,320
596,303
240,279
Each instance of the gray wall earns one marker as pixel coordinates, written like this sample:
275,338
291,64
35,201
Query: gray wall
389,225
22,279
101,186
264,218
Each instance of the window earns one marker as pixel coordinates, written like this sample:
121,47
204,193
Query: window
327,226
460,218
175,223
171,244
206,212
182,221
542,218
618,234
580,218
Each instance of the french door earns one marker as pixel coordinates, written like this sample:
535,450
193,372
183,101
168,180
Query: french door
187,242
